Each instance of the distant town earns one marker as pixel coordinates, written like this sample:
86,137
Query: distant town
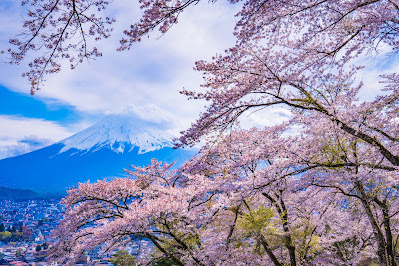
25,228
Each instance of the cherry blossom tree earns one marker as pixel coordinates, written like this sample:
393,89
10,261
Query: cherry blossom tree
254,196
59,30
319,189
202,214
363,179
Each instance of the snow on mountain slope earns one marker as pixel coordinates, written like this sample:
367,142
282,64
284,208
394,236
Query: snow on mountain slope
103,150
120,133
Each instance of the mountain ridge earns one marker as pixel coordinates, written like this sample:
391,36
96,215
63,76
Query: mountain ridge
122,128
100,151
17,194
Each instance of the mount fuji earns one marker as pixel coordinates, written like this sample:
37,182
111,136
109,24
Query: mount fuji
100,151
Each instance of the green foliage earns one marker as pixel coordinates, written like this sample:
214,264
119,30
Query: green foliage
307,242
2,227
8,236
191,240
164,261
17,236
256,220
123,258
5,236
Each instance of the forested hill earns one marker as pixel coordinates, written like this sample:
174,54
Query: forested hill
17,194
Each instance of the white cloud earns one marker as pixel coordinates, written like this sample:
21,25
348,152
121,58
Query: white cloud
266,117
152,72
375,62
25,145
19,135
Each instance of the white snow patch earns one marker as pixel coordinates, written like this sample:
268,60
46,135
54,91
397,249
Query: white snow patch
118,133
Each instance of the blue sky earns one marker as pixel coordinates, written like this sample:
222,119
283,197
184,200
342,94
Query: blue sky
145,79
25,105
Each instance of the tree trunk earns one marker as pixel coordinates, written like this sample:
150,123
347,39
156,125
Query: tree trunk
171,256
381,244
288,240
388,232
269,252
282,211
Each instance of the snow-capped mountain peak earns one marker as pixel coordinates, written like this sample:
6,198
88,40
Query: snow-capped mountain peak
120,133
103,150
